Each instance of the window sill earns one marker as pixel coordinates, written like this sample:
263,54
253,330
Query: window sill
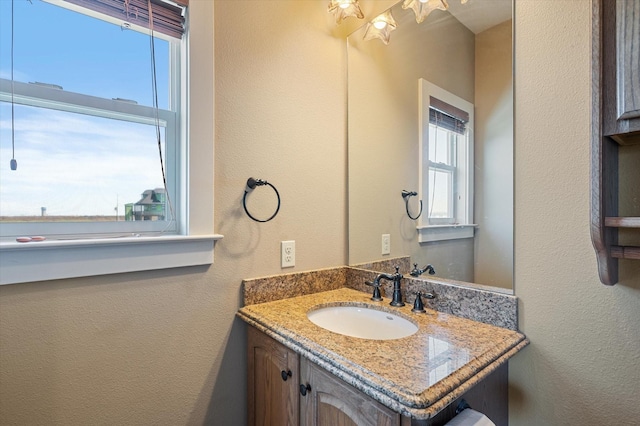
58,259
427,234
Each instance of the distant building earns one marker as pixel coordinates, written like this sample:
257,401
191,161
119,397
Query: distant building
150,207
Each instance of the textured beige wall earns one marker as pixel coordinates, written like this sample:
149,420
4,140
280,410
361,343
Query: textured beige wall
164,347
493,178
383,135
582,367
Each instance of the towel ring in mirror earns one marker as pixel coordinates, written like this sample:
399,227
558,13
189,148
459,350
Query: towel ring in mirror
406,195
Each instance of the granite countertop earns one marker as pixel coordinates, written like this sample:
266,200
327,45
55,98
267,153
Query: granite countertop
417,375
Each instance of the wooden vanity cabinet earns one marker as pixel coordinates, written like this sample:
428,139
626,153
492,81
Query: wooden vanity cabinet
330,401
272,379
615,126
274,401
333,402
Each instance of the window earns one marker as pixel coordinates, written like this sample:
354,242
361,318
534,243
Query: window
446,169
85,126
90,128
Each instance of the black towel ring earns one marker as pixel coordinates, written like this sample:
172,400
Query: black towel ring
251,184
406,195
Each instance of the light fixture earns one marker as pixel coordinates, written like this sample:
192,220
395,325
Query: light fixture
343,9
423,8
380,27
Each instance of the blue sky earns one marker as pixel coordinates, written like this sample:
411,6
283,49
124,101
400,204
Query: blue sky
72,163
81,54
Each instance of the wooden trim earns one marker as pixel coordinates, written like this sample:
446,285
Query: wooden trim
625,252
604,151
622,222
627,138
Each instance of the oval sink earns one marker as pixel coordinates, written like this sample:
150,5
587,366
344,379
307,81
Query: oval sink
362,322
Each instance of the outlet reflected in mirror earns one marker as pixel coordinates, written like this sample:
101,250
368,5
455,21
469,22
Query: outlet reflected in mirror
467,53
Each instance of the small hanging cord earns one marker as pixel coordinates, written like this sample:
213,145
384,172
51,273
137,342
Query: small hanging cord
154,88
251,184
13,163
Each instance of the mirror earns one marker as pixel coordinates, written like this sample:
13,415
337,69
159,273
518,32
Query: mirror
467,52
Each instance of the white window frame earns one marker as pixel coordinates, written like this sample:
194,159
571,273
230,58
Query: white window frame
460,226
193,242
452,169
36,95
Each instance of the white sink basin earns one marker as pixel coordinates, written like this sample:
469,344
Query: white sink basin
362,322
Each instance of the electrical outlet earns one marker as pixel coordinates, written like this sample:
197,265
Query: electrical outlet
288,252
386,244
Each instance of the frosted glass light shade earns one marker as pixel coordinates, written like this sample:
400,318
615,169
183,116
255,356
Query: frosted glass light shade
342,9
381,27
422,8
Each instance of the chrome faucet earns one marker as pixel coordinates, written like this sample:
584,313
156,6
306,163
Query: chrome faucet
397,291
415,272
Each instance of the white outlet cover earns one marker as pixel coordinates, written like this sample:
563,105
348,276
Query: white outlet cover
386,244
288,254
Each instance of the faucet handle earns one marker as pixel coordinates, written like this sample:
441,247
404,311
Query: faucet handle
418,306
376,297
397,275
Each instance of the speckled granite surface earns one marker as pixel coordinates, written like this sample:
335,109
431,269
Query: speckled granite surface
417,375
276,287
466,300
475,302
387,265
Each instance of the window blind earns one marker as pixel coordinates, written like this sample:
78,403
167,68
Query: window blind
167,18
447,116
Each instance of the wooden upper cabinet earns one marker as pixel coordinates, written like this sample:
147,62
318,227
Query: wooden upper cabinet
620,69
332,402
615,125
628,58
272,379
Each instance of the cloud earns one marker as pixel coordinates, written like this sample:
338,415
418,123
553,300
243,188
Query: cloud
75,164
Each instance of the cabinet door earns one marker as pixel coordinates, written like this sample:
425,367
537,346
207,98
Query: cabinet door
332,402
616,70
628,58
272,381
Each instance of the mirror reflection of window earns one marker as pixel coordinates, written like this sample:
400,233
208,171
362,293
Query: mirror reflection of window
447,136
448,145
442,173
446,168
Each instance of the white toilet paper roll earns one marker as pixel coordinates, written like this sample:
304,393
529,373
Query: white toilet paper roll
470,417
